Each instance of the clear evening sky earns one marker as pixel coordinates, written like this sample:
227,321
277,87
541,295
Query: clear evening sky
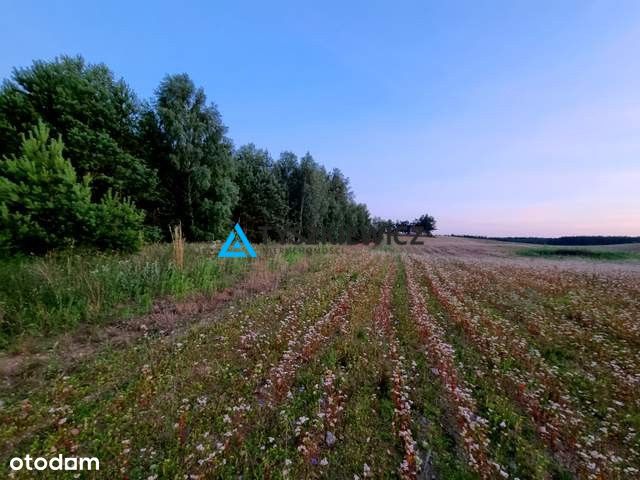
499,118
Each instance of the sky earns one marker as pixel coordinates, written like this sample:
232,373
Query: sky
498,118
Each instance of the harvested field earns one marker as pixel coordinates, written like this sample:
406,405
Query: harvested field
454,359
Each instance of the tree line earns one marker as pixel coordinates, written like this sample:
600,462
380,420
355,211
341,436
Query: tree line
84,161
576,240
423,225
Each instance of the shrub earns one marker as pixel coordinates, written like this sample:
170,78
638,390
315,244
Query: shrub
118,225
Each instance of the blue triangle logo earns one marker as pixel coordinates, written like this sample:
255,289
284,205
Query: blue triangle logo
237,245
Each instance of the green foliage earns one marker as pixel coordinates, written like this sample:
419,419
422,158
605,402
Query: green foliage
193,156
42,295
321,204
117,225
360,219
338,216
582,253
262,197
313,202
293,254
424,225
427,222
95,115
287,171
170,157
43,205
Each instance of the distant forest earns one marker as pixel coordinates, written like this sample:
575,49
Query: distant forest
569,241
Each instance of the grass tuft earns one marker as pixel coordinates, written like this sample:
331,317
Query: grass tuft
177,241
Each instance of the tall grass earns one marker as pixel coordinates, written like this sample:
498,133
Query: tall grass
43,295
177,241
52,294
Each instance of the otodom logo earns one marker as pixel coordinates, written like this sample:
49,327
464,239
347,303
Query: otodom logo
237,245
54,463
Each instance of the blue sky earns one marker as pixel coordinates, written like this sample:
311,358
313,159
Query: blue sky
499,118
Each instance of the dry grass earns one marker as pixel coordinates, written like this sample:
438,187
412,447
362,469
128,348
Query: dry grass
177,242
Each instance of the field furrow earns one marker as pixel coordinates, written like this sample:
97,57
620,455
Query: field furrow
385,328
275,387
473,434
579,441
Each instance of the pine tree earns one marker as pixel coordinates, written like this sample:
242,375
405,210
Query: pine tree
44,206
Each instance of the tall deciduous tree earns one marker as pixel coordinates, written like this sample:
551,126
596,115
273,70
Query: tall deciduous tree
338,221
313,202
321,205
360,223
427,222
170,156
194,158
288,172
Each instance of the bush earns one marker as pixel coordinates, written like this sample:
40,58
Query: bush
118,225
44,206
152,234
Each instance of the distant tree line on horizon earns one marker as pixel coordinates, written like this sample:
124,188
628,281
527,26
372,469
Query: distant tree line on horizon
84,161
581,240
424,225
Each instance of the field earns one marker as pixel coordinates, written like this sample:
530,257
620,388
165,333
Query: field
458,359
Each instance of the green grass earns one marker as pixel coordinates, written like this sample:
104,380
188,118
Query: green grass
563,253
292,254
41,296
45,295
